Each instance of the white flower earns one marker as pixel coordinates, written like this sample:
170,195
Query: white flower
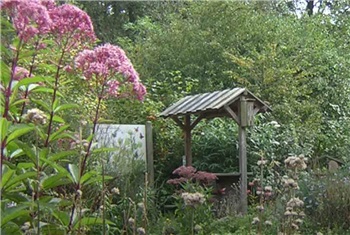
256,220
268,223
268,188
141,231
295,202
79,193
35,116
193,199
25,226
115,191
275,124
131,221
262,162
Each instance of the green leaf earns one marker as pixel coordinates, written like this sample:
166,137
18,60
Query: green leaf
15,196
53,229
18,152
5,72
31,80
55,180
19,132
25,165
41,103
56,134
6,176
11,228
4,124
13,213
103,150
61,216
74,171
18,178
43,153
58,119
88,176
66,106
60,155
91,221
46,90
57,167
28,151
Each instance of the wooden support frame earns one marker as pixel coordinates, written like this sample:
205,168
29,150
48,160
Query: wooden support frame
239,104
188,140
149,153
233,114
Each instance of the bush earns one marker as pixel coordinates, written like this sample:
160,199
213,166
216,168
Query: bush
327,199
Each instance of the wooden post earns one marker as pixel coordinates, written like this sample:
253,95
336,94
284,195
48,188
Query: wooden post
149,153
242,138
187,133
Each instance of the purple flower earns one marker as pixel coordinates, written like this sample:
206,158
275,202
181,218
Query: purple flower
20,73
29,18
205,177
185,171
190,174
70,22
113,86
106,62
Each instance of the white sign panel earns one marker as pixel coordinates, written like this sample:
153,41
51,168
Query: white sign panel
126,139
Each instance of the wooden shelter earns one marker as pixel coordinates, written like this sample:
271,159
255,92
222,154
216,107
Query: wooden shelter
239,104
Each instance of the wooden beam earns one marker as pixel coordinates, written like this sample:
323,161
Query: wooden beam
242,139
178,122
149,154
193,124
232,113
256,110
187,134
243,168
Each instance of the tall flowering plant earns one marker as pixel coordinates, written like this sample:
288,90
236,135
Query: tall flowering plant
40,40
193,195
109,74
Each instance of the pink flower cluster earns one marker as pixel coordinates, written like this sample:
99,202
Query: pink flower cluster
71,22
193,199
29,18
190,174
20,73
107,61
40,17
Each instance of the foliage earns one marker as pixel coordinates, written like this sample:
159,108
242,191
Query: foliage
44,160
326,197
193,211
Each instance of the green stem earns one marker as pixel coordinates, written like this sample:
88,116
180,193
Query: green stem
26,94
83,162
54,96
37,187
103,201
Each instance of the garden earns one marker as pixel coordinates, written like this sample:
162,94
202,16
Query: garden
73,73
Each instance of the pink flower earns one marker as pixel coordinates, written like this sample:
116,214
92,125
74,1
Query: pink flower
106,62
30,18
70,22
205,177
20,73
113,87
139,90
185,171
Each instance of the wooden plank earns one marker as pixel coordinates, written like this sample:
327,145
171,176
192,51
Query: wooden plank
187,133
232,113
149,154
242,135
193,124
178,122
